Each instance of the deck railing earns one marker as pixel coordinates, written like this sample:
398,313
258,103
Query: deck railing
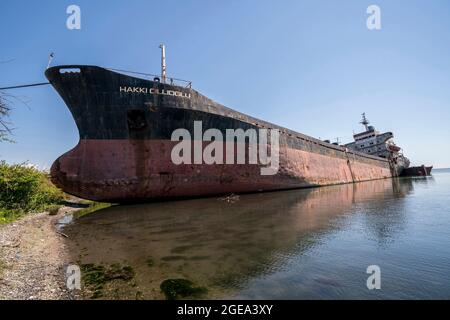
169,80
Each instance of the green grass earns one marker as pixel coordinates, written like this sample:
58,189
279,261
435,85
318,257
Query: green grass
92,206
7,216
25,189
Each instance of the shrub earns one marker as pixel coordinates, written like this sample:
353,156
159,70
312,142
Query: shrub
25,189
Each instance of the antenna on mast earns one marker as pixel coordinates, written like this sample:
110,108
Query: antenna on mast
338,140
365,121
163,62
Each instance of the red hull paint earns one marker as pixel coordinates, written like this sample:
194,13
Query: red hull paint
113,170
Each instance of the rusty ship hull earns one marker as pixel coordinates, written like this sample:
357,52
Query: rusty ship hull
125,125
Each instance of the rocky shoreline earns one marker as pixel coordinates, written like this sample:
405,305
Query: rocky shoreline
33,257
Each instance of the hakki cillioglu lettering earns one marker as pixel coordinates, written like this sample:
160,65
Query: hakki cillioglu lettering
145,90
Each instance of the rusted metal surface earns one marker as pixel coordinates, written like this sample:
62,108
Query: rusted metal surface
135,170
124,150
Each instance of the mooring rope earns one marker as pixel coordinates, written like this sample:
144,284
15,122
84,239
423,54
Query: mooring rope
26,85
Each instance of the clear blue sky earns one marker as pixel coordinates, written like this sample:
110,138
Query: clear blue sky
311,66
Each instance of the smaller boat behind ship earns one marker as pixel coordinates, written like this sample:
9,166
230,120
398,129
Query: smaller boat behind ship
420,171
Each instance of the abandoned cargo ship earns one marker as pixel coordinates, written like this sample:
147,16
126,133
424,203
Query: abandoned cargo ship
125,124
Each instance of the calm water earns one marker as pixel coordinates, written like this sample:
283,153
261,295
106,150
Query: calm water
302,244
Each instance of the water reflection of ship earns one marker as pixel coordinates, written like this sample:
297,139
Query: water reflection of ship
384,220
221,244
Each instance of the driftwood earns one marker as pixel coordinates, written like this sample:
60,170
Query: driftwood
63,234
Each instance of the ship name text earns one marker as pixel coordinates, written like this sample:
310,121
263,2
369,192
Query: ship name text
145,90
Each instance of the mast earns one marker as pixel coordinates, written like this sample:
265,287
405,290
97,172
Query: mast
163,62
50,58
365,121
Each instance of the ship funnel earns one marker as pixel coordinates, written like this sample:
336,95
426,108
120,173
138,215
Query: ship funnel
163,62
